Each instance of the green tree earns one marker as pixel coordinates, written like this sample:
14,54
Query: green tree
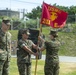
36,12
31,23
71,13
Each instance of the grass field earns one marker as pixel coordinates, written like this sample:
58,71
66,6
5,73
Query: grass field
68,48
65,68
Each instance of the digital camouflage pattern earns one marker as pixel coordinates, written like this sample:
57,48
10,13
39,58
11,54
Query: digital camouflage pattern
24,58
52,59
5,53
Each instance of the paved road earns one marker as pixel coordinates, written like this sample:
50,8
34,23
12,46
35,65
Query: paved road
61,58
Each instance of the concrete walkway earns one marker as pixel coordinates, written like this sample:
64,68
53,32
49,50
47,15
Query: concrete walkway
61,58
67,59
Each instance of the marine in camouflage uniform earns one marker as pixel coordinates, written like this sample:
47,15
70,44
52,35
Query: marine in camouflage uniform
52,60
5,54
24,54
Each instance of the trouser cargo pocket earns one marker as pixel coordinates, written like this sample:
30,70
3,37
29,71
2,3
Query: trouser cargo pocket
3,54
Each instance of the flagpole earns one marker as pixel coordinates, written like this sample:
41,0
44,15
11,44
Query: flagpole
36,64
37,51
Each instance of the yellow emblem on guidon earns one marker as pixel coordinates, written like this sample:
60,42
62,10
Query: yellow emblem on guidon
53,16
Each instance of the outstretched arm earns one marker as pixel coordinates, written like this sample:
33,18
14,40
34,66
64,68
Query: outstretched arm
29,50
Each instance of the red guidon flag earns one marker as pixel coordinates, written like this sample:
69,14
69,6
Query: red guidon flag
52,16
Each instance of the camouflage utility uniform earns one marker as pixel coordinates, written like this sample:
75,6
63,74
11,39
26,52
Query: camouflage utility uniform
4,52
24,58
52,59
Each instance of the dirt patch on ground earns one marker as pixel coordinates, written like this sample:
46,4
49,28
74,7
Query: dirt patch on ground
67,67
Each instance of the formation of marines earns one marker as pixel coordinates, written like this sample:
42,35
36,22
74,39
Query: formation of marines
24,51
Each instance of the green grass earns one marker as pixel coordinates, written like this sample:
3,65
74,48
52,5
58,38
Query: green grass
13,67
14,34
72,73
40,68
67,44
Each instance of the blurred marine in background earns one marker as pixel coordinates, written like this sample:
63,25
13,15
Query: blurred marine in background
5,47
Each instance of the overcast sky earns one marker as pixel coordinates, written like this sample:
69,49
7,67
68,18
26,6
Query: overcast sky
28,5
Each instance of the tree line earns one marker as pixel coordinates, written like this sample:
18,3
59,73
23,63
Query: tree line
32,18
36,12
